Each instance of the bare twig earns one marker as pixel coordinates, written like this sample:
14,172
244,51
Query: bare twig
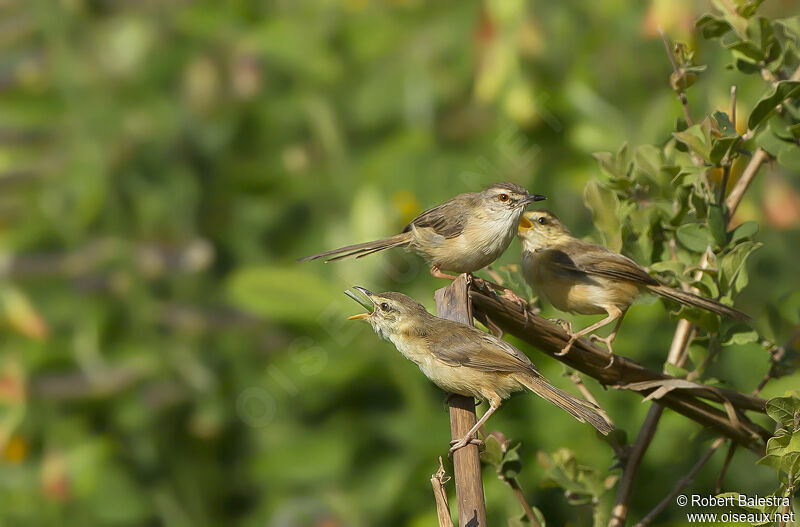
680,485
760,157
453,303
512,481
728,161
625,491
442,508
681,93
725,465
786,508
514,484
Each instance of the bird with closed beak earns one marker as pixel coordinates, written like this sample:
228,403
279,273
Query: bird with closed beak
586,278
464,360
462,235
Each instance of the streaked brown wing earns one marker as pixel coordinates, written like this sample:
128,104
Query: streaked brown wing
461,345
447,219
596,260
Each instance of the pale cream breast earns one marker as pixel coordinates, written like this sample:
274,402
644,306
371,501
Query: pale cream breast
589,297
462,380
472,382
481,242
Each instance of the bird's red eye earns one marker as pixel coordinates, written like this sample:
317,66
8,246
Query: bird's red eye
502,197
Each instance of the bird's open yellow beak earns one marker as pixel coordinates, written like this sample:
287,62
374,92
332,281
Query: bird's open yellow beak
524,224
367,305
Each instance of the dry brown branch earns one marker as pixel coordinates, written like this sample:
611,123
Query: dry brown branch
453,302
620,511
514,484
725,465
550,338
440,495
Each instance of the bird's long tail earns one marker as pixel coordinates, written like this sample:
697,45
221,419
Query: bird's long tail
583,411
691,299
362,249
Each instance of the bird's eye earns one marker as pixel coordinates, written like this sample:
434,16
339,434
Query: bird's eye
384,307
502,197
542,220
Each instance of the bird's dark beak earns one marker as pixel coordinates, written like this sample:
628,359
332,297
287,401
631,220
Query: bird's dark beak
367,305
530,198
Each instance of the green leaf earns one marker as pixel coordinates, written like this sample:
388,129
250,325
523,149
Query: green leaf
675,371
716,222
669,266
712,26
789,157
767,104
694,236
770,461
700,317
769,141
512,463
742,337
747,50
724,124
745,230
733,263
604,203
697,139
783,409
493,452
746,66
747,8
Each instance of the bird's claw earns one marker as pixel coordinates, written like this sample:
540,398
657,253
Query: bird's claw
461,443
566,348
518,300
607,341
437,273
566,325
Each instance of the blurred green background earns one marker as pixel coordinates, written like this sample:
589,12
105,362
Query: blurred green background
162,164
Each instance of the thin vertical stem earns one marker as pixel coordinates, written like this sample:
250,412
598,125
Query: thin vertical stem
452,302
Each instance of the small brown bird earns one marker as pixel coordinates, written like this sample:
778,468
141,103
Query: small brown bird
586,278
465,360
464,234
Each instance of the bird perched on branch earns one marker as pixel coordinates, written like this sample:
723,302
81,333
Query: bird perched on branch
463,359
586,278
464,234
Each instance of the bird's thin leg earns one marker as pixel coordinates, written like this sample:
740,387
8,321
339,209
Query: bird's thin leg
464,441
609,339
437,273
613,314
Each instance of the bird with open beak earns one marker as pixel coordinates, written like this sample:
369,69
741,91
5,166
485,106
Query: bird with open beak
582,277
463,359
